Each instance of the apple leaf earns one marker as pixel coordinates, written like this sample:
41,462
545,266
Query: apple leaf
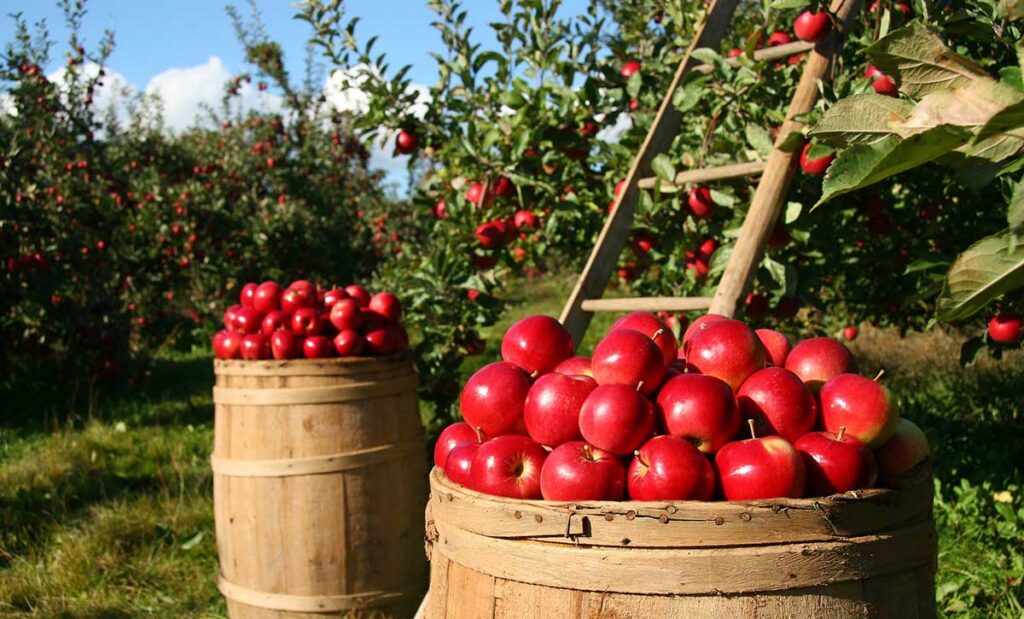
663,168
861,119
986,270
1015,210
865,164
1010,9
916,56
759,139
1009,118
973,106
781,5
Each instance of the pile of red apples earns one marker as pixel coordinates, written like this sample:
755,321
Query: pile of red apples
304,321
731,413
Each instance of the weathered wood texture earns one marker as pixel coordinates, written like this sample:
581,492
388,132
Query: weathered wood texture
319,478
647,304
869,553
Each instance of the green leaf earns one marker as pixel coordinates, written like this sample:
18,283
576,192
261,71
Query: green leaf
862,165
969,351
1009,118
986,270
1015,210
1010,9
792,143
861,119
634,84
921,63
663,168
793,210
782,5
759,139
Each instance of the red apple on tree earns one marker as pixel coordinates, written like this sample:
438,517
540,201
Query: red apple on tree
816,166
406,142
727,349
494,397
850,333
628,357
616,418
551,413
907,447
760,468
537,344
451,437
778,38
1005,328
654,328
575,471
508,466
775,344
836,463
700,202
818,359
865,407
479,196
669,468
778,402
812,27
629,68
701,409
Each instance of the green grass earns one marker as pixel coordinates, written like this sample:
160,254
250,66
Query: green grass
107,512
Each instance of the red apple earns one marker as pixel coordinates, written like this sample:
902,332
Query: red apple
836,463
380,342
478,196
285,345
526,220
317,347
248,294
346,315
812,27
576,471
306,321
575,366
509,466
779,403
229,317
850,333
267,297
333,296
727,349
863,406
700,202
552,409
406,142
669,468
247,321
255,346
629,68
1005,328
616,418
458,433
778,38
399,336
814,167
359,294
818,359
458,466
494,398
696,327
628,357
885,85
537,344
760,468
654,328
775,344
227,345
907,447
387,305
349,343
699,408
296,298
275,321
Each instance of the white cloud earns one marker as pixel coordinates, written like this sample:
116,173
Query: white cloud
613,133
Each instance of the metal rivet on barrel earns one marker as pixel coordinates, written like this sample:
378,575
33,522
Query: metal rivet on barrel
609,517
630,515
663,519
671,509
719,521
745,516
539,518
518,515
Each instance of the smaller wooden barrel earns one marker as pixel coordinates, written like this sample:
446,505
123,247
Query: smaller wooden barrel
319,479
868,553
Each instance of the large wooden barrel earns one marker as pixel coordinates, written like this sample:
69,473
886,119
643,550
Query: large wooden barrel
319,482
869,553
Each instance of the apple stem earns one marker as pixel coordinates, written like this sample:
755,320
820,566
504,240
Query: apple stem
586,451
753,431
535,374
479,434
657,334
640,385
842,431
879,376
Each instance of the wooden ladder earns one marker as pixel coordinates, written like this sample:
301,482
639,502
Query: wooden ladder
776,176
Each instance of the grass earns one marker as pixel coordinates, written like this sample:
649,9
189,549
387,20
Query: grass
107,512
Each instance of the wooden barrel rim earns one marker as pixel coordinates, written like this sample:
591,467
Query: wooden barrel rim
308,367
316,465
288,396
696,524
308,603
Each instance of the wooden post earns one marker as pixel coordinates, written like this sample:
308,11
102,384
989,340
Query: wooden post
778,174
616,229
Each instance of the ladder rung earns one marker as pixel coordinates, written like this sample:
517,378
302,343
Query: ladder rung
647,304
705,175
769,53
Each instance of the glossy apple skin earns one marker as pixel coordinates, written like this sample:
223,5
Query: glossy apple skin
306,321
298,297
575,366
836,466
552,410
359,294
275,321
255,346
380,342
574,471
850,333
779,403
247,320
227,345
317,347
247,294
349,343
812,27
814,167
616,418
696,327
508,466
907,447
727,349
229,317
537,344
458,466
818,359
760,468
669,468
494,398
1005,328
628,357
387,305
333,296
455,434
701,409
654,328
864,407
776,345
267,297
285,345
701,204
347,315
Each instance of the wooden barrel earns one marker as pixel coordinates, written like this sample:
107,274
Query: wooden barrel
869,553
319,482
